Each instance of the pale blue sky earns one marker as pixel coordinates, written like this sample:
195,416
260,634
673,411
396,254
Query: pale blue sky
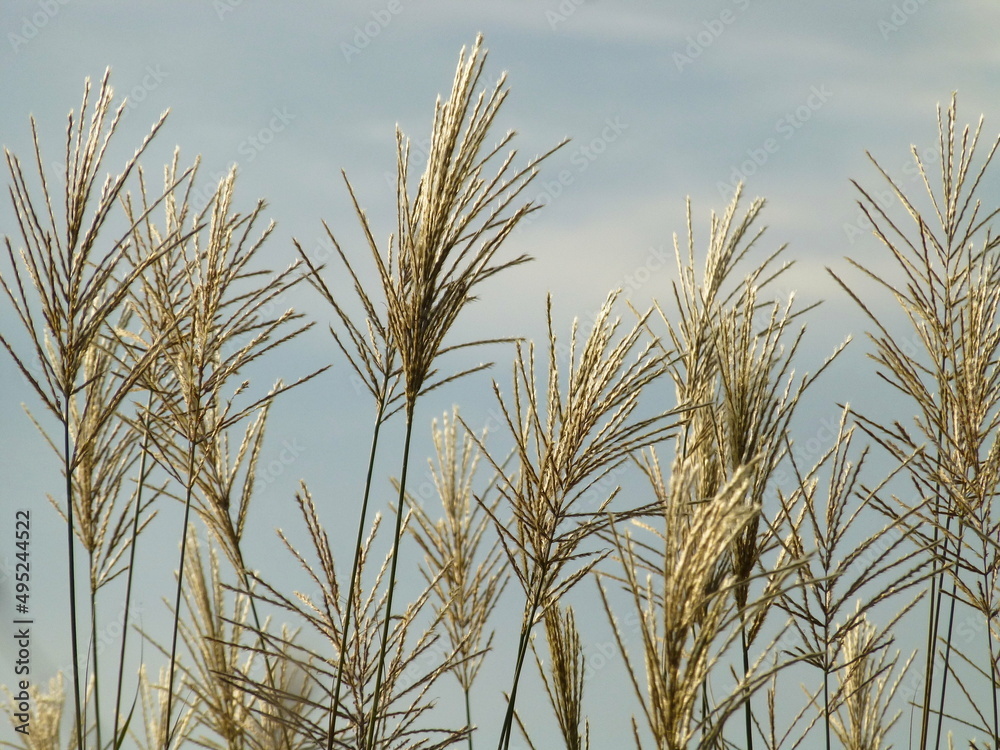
661,101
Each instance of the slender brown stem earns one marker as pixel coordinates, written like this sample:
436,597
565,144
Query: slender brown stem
94,650
531,610
826,683
392,581
990,654
468,716
947,661
189,493
141,483
70,542
746,672
933,616
346,628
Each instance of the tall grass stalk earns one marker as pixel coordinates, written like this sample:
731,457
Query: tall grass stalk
373,357
845,573
947,367
675,574
355,572
410,671
569,433
734,379
118,733
214,324
78,288
448,234
565,680
386,619
466,586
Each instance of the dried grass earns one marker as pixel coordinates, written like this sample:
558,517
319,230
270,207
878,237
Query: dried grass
142,349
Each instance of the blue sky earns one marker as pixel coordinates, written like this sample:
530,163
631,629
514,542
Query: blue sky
660,100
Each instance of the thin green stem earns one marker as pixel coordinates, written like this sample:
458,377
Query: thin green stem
261,645
933,617
947,646
468,716
947,660
189,492
938,580
826,704
373,723
131,567
827,664
704,712
70,542
746,673
349,612
992,660
94,650
531,610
